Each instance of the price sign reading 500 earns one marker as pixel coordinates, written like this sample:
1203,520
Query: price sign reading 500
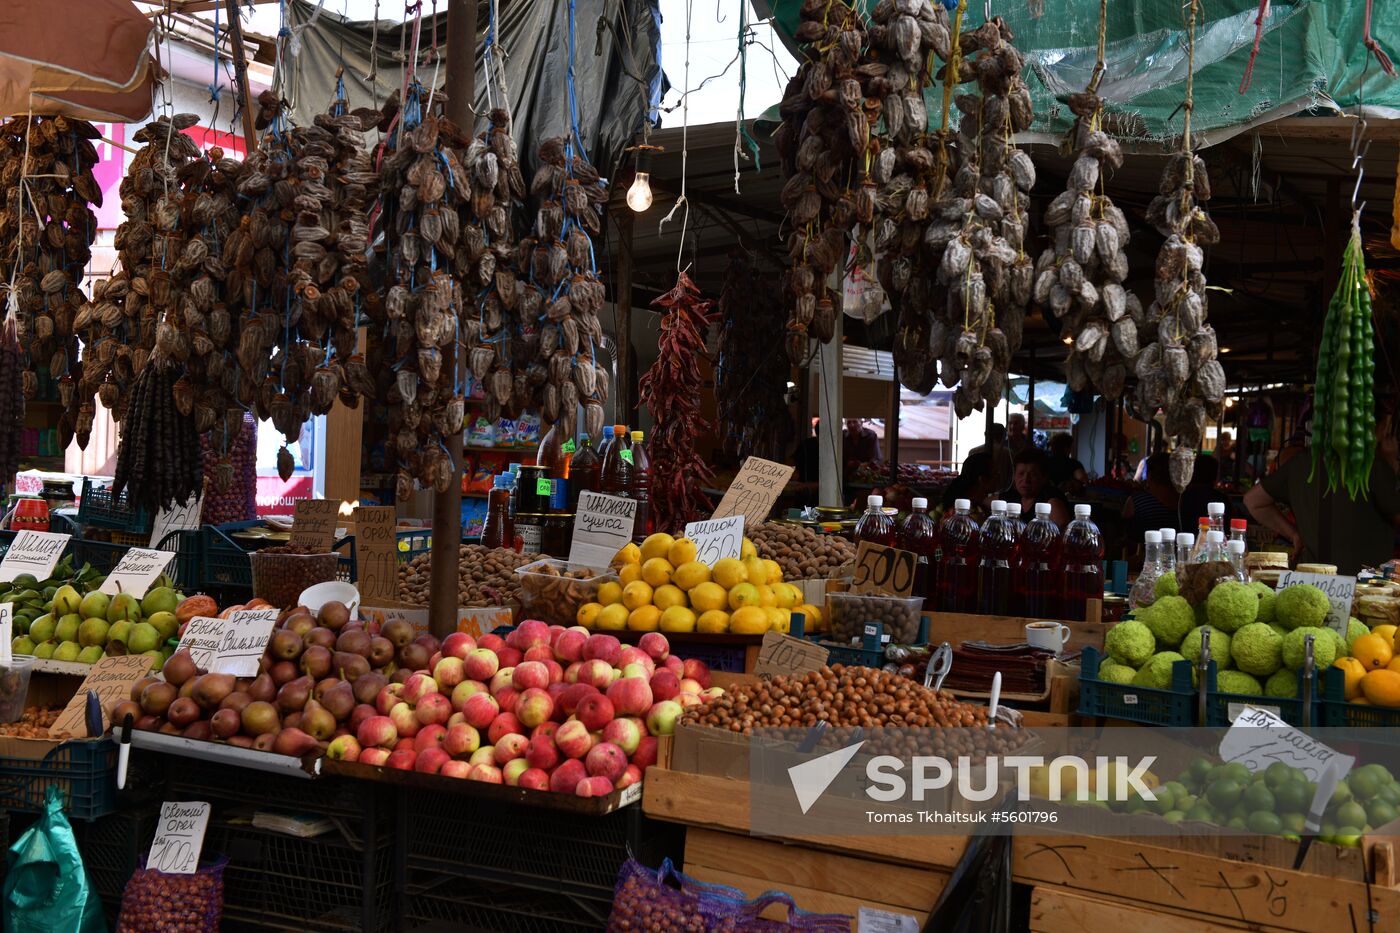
881,569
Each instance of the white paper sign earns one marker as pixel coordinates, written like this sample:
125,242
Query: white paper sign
176,518
871,920
7,623
1258,738
1340,592
229,646
717,538
603,525
33,552
136,571
179,837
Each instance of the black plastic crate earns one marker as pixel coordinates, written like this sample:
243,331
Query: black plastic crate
340,798
114,846
85,769
443,902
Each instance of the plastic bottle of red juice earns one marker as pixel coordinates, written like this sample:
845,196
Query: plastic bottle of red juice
958,573
1037,576
1083,552
998,545
875,526
919,534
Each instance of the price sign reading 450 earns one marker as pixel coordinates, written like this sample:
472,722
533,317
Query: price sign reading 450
881,569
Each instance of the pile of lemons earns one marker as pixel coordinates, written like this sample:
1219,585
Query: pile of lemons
662,587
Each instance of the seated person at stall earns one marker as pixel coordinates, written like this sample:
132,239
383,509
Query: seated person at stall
1064,470
1154,507
1030,483
976,482
996,449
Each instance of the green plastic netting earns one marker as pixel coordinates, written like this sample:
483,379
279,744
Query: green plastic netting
1311,57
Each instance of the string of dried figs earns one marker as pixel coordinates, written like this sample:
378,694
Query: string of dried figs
48,228
1080,276
980,225
11,397
158,456
421,181
752,367
495,348
822,144
1176,367
563,305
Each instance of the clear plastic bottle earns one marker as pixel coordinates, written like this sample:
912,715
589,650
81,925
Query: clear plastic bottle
1144,591
1215,514
1185,544
616,479
1199,539
584,471
1083,553
1214,549
919,533
998,546
1234,552
1239,529
959,538
1037,576
1168,550
875,526
499,529
513,471
641,485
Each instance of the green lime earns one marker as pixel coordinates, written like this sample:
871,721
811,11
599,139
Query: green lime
1342,794
1264,823
1293,822
1165,800
1200,768
1379,812
1351,813
1215,774
1239,772
1364,784
1201,813
1186,802
1348,836
1277,773
1379,771
1174,816
1291,797
1223,793
1137,804
1257,796
1236,822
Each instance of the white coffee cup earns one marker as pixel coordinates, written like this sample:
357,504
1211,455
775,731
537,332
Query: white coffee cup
1048,636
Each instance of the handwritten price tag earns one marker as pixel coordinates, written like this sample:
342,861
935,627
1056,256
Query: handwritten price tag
111,679
174,518
33,552
179,837
7,634
783,654
313,525
717,539
136,571
376,552
1258,738
881,569
756,487
602,527
1340,593
229,646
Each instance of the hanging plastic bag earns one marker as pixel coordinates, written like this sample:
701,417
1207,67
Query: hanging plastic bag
155,900
978,896
667,899
46,886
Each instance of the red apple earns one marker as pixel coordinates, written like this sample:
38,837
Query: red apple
505,677
404,720
430,736
359,714
597,673
484,755
563,779
533,778
630,696
573,695
530,674
542,753
624,733
461,739
606,759
664,685
689,685
379,757
687,700
510,747
503,725
487,774
631,776
596,786
538,653
390,695
455,769
492,642
545,728
655,645
534,707
418,686
431,760
457,645
573,739
404,744
510,657
554,632
662,717
344,748
675,665
603,647
403,759
507,697
631,654
699,671
571,672
512,770
479,709
568,647
449,672
465,689
556,671
481,663
528,634
645,755
377,731
595,711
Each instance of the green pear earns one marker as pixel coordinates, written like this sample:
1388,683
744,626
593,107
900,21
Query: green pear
94,605
22,645
124,606
42,628
91,654
142,638
117,636
160,599
67,628
165,623
66,600
157,659
45,649
93,633
67,651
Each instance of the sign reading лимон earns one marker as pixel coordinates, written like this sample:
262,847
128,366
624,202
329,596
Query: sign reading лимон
36,553
717,538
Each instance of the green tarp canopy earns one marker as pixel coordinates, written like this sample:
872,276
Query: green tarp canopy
1311,57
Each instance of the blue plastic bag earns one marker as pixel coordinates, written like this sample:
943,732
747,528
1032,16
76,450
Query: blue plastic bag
47,889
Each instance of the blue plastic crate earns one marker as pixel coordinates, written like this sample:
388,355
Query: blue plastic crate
871,650
1336,711
185,569
85,769
225,567
1171,707
413,542
99,508
1290,711
102,555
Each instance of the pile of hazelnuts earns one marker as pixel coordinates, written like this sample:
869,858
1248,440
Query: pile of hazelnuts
155,900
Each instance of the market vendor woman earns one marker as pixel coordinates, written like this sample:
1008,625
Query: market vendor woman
1030,483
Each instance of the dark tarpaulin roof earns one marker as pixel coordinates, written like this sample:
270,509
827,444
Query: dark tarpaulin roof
616,43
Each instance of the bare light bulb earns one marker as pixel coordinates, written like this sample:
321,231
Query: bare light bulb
639,195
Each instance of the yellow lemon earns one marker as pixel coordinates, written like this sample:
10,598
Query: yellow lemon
627,554
775,573
677,619
786,595
629,573
690,574
587,614
747,549
657,571
667,596
637,594
708,596
714,622
682,552
750,620
757,572
610,593
657,545
643,619
612,619
766,596
812,617
1387,632
729,573
1354,671
779,620
745,594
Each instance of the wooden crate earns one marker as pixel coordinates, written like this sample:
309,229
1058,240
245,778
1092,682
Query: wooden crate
957,627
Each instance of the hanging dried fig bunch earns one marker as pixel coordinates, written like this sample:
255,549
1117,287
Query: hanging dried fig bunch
977,230
11,397
566,296
1079,278
752,368
158,456
828,116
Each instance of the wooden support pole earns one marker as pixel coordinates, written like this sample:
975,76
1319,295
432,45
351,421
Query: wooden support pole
240,74
460,90
622,292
